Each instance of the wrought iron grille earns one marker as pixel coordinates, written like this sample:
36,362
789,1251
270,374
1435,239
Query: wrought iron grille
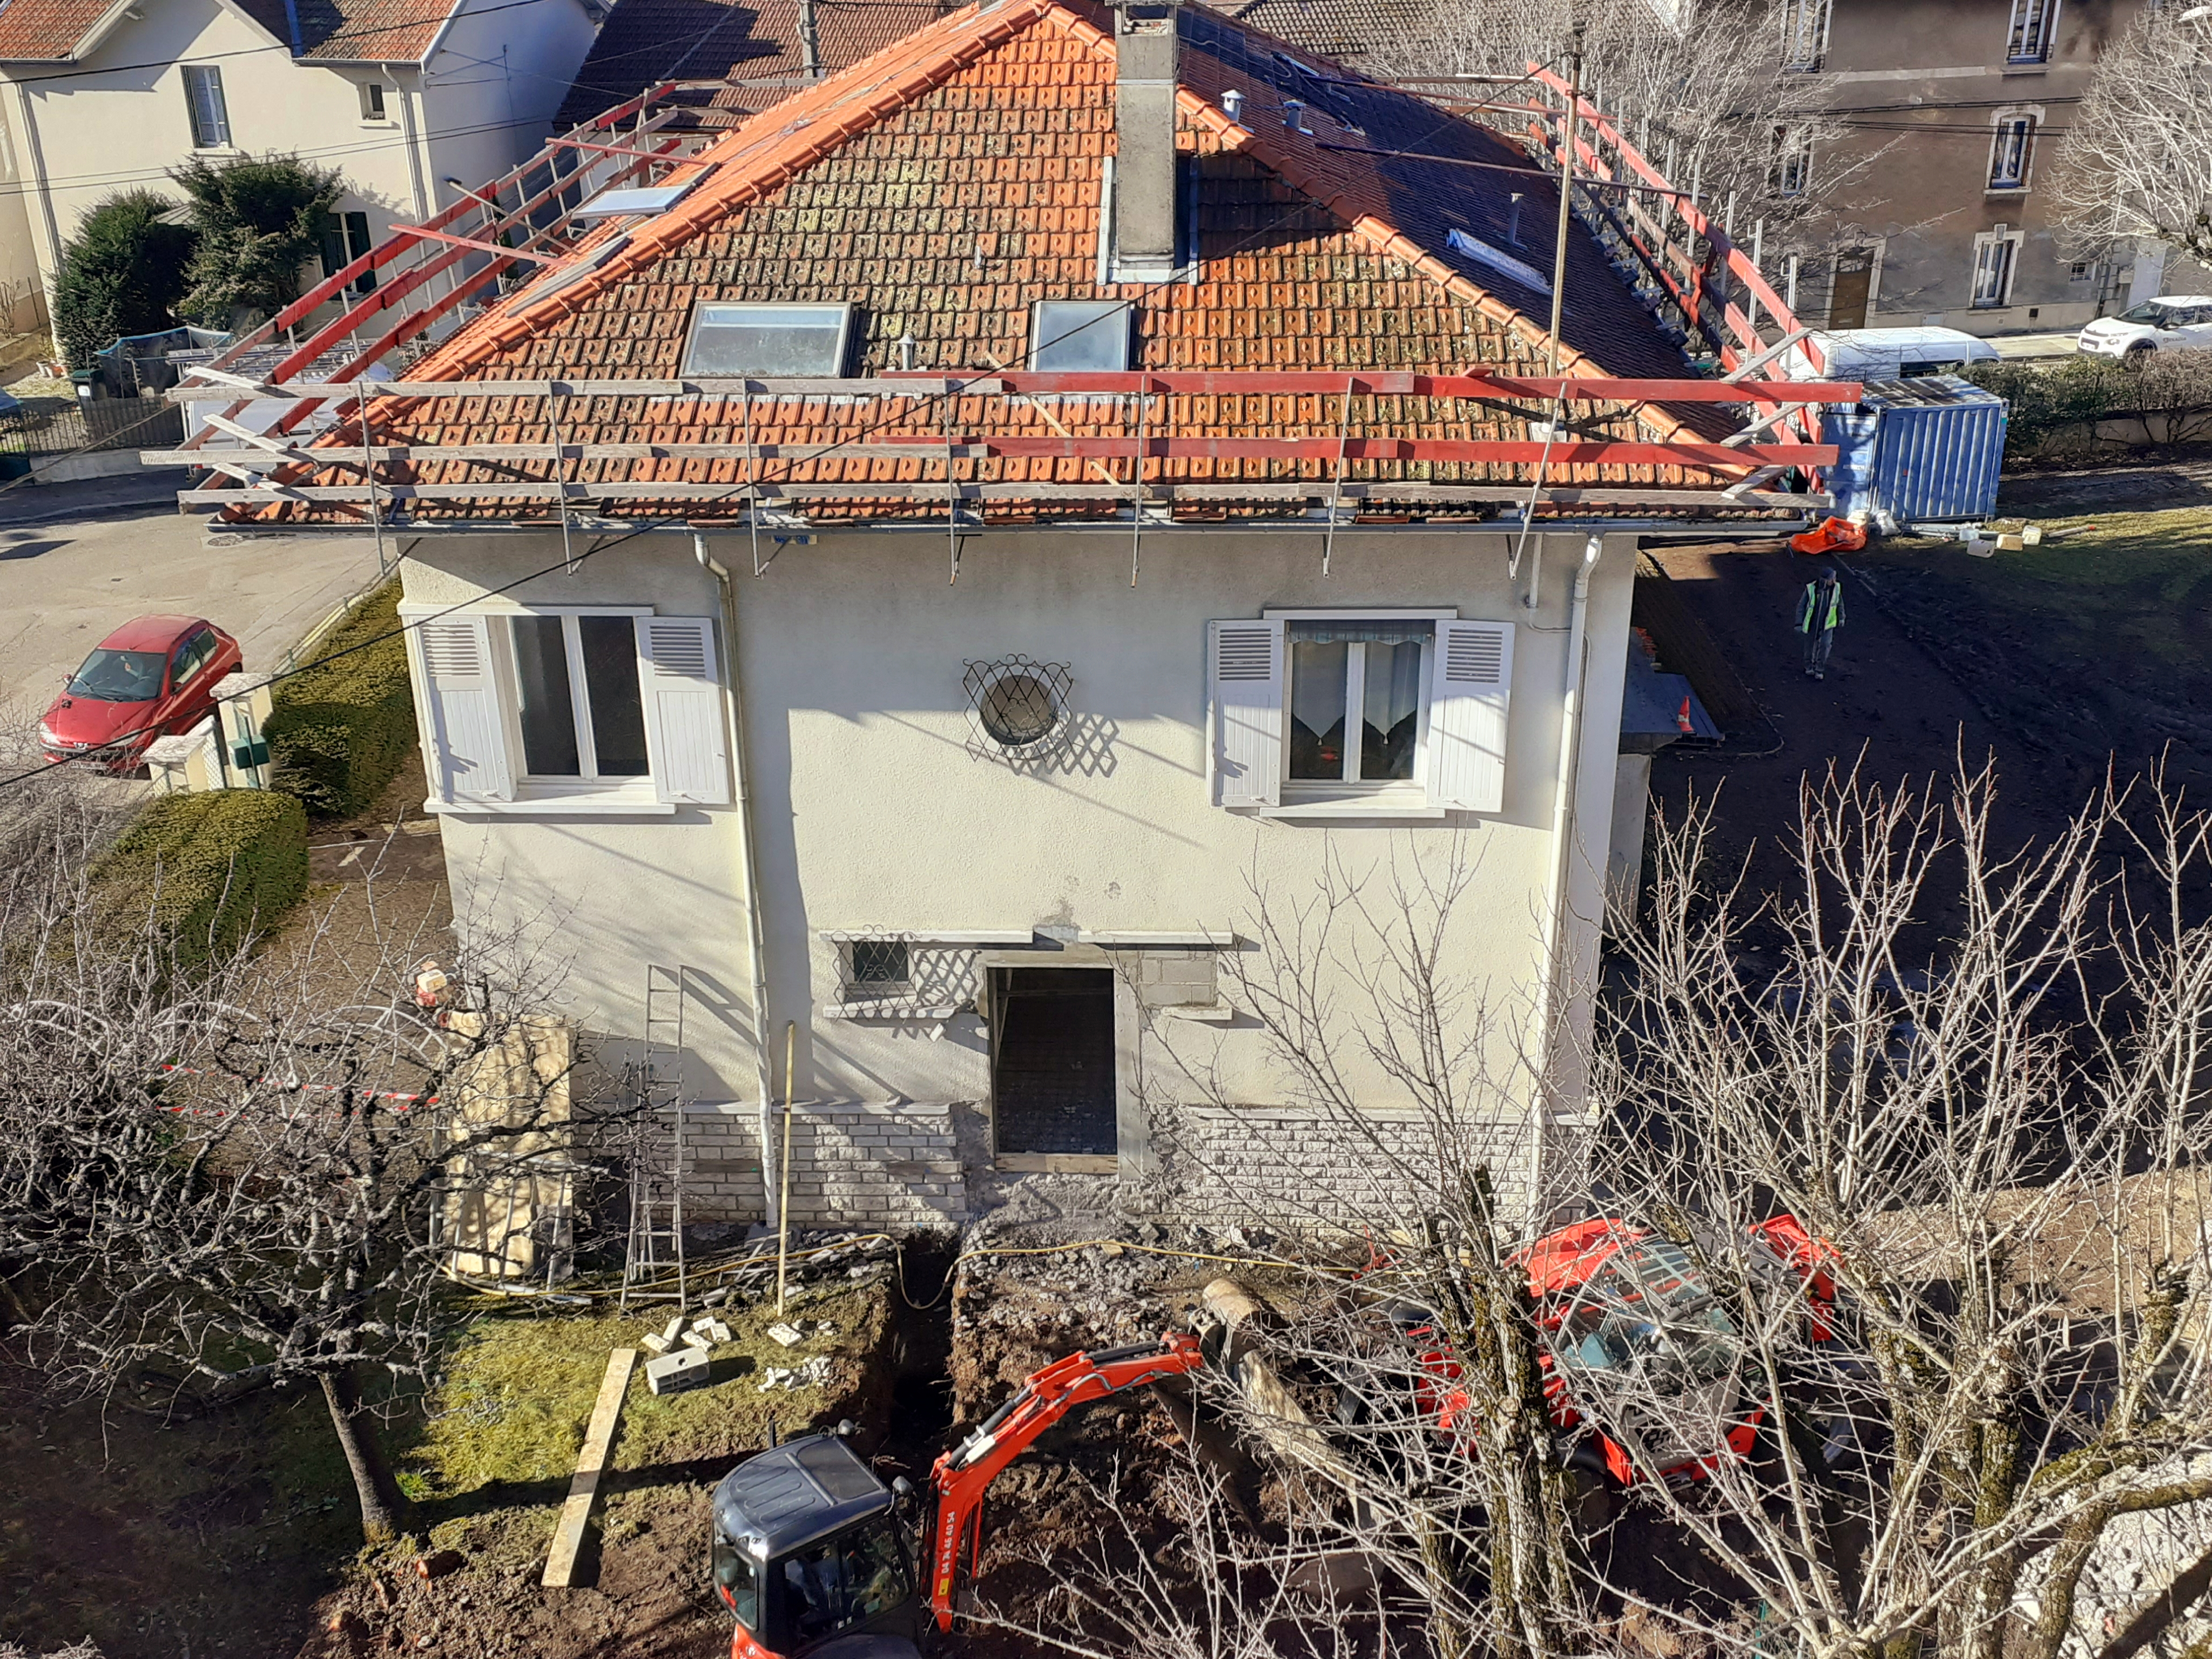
1018,708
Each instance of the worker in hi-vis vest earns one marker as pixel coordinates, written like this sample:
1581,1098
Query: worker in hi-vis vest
1819,614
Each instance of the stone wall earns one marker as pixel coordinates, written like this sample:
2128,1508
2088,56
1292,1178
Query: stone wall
851,1165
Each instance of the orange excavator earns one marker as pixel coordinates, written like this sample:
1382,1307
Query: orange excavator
819,1559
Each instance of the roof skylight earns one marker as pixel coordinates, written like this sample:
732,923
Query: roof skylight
801,341
651,198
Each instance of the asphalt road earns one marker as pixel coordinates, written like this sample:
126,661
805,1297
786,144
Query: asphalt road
65,584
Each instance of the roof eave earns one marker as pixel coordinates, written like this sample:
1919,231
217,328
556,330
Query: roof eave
90,41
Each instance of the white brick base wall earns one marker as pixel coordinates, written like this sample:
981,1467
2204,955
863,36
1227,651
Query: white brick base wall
1301,1169
851,1165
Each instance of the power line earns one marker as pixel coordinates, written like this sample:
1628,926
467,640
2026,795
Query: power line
279,46
569,562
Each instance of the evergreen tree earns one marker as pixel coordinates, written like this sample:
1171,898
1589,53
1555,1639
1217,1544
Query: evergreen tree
124,273
260,219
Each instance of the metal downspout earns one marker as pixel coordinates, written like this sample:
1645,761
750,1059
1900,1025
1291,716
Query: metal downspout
1552,995
755,936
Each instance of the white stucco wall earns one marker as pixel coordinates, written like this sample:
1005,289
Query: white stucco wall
109,124
872,815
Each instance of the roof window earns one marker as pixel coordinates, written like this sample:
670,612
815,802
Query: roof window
652,198
1080,337
754,339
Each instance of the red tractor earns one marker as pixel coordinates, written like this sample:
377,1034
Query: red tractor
1633,1325
817,1559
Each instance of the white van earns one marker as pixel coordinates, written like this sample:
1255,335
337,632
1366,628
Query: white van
1892,354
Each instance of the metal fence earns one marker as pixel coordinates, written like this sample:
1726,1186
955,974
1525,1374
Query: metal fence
62,426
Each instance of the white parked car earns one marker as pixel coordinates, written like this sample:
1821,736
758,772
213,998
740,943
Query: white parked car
2172,322
1892,354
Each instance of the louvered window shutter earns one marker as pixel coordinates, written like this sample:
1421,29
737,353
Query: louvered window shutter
1248,713
464,735
1468,692
684,724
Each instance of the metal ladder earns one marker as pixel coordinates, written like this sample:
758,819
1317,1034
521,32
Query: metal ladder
656,1160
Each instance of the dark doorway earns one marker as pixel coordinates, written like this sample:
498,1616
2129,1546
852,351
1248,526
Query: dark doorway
1052,1071
1847,299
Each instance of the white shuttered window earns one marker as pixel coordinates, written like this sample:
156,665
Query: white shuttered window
684,709
464,738
584,711
1359,713
1472,685
1248,713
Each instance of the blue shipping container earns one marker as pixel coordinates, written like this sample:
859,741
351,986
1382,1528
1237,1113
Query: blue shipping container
1930,448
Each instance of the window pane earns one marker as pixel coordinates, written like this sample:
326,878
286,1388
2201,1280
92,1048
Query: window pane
1317,691
611,690
549,713
767,340
1393,710
1079,336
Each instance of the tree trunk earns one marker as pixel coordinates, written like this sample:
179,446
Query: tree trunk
372,1483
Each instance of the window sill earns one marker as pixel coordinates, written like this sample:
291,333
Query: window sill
556,806
2002,191
1354,807
2026,68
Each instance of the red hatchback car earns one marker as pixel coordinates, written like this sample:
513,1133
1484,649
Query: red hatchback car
151,678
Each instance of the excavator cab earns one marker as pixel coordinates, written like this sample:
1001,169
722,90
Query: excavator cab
814,1557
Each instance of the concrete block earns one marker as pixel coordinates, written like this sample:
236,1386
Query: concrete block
672,1373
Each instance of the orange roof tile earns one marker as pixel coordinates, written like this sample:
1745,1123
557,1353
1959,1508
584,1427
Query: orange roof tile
756,42
47,31
942,186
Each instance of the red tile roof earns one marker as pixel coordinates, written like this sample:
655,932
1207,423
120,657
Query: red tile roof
46,31
357,31
944,184
331,31
644,42
1351,31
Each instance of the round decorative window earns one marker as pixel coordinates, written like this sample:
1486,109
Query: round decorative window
1018,710
1019,706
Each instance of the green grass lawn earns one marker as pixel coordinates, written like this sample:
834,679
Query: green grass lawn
2089,645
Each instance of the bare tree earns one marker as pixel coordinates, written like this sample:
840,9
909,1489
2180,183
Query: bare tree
1930,1413
1746,127
260,1170
1993,1118
2137,158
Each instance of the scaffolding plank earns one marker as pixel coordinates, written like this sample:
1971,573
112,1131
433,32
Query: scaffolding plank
591,1463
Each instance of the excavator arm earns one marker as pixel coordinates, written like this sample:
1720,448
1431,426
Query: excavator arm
964,1475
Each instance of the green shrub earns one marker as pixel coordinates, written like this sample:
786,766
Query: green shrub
123,273
2047,399
209,867
338,731
260,218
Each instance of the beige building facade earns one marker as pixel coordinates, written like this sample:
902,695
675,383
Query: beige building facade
1967,102
1032,954
396,107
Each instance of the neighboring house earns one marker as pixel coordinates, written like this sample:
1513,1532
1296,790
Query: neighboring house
768,49
399,95
972,796
1954,227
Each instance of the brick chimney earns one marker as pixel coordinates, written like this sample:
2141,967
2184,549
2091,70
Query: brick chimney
1144,205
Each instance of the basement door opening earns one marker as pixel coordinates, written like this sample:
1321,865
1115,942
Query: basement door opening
1052,1065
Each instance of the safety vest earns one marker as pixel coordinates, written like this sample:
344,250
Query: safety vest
1809,602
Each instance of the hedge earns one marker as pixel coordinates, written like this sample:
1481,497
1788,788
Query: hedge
209,867
339,730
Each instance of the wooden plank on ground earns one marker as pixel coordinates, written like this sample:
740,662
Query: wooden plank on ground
583,1490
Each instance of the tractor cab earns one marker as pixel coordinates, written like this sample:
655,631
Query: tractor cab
812,1556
